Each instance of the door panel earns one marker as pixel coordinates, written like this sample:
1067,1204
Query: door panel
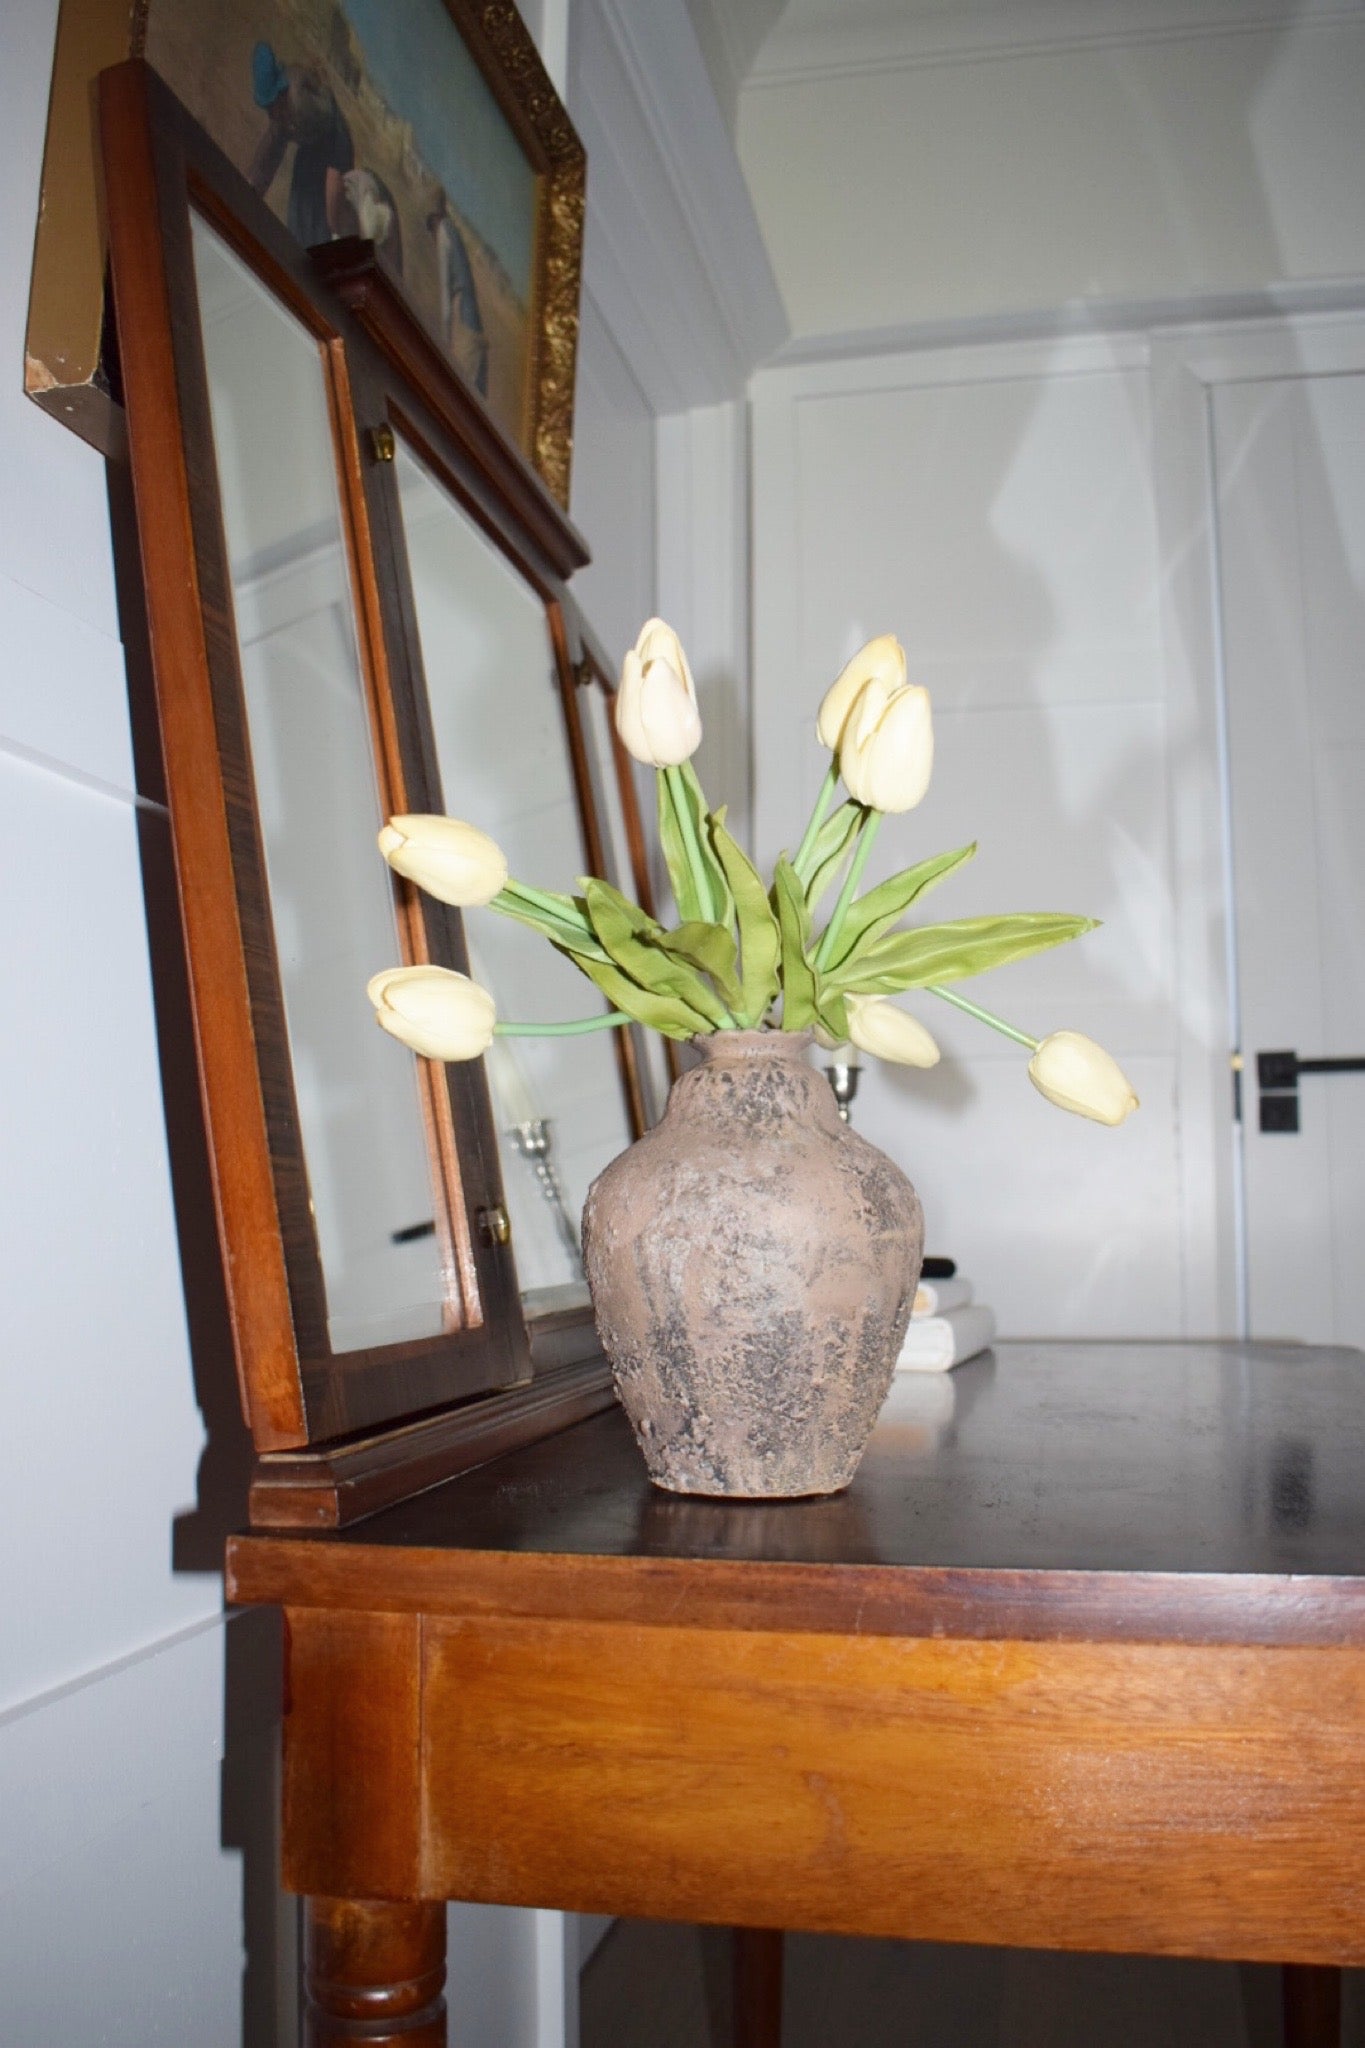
1290,464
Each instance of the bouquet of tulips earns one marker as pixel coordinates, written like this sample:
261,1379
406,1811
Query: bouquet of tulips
744,956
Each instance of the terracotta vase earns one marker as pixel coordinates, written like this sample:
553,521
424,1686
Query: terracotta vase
752,1262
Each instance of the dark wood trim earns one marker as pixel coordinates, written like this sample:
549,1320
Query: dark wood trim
351,269
757,1970
295,1389
334,1486
141,257
745,1594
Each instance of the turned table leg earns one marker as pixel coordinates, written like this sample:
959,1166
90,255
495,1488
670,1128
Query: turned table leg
374,1972
1312,2005
758,1987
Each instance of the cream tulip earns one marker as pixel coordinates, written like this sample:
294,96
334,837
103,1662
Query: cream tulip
441,1014
455,862
882,659
656,705
1076,1074
879,1027
886,755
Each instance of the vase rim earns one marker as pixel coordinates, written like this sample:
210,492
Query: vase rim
750,1045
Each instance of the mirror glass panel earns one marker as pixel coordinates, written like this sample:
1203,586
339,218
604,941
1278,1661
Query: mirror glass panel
360,1110
504,764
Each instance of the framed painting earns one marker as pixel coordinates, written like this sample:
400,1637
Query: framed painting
426,127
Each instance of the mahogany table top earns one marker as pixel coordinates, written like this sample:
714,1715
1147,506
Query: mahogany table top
1205,1491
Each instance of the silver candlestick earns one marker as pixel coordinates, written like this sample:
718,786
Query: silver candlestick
842,1075
532,1139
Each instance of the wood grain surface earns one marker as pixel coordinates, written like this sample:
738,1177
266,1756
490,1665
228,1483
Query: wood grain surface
1163,1799
1145,1493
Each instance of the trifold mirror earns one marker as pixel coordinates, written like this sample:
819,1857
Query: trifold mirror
356,604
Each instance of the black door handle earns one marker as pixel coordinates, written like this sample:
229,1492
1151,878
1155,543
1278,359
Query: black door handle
1277,1076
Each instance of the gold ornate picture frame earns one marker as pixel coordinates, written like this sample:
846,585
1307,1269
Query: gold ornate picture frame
429,128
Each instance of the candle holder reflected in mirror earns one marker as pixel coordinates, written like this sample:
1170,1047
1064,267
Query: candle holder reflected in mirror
533,1141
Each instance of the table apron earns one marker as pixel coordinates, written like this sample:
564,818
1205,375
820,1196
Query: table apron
1204,1800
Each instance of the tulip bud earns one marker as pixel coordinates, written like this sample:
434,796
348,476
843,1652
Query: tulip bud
656,705
887,751
882,659
441,1014
1079,1075
454,862
889,1033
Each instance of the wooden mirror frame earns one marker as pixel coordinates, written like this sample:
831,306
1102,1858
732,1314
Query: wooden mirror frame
339,1434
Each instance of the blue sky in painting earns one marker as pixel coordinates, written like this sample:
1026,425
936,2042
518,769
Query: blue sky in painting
418,61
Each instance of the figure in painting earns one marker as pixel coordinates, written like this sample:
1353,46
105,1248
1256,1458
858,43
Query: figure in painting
301,108
465,336
375,214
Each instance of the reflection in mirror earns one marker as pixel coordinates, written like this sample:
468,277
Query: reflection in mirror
504,764
596,706
360,1111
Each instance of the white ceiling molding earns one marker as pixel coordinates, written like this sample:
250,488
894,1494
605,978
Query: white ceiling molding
730,33
1102,319
673,256
818,39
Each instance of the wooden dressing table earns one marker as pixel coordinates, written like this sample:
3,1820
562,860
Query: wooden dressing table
1077,1662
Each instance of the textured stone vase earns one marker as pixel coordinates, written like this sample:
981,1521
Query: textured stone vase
752,1262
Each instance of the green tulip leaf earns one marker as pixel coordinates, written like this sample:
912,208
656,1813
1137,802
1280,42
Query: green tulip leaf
830,849
700,889
759,939
561,919
711,950
951,952
832,1013
798,976
632,940
869,916
661,1013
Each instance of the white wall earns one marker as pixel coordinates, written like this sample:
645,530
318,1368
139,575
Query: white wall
900,186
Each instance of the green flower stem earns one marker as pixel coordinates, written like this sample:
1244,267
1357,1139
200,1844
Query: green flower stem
687,826
846,894
817,816
983,1016
539,900
573,1027
532,907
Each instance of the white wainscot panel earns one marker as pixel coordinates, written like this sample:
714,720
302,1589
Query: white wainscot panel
1002,529
122,1909
1066,1228
99,1399
63,693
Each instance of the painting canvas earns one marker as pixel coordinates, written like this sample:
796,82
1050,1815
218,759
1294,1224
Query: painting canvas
372,118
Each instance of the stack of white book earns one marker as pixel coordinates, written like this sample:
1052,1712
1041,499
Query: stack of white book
946,1327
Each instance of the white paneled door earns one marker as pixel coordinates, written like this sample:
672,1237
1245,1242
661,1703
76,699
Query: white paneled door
993,507
1289,455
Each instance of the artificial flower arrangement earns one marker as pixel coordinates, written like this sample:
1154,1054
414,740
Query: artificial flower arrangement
743,956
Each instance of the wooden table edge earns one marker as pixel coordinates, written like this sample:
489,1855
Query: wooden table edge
983,1603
